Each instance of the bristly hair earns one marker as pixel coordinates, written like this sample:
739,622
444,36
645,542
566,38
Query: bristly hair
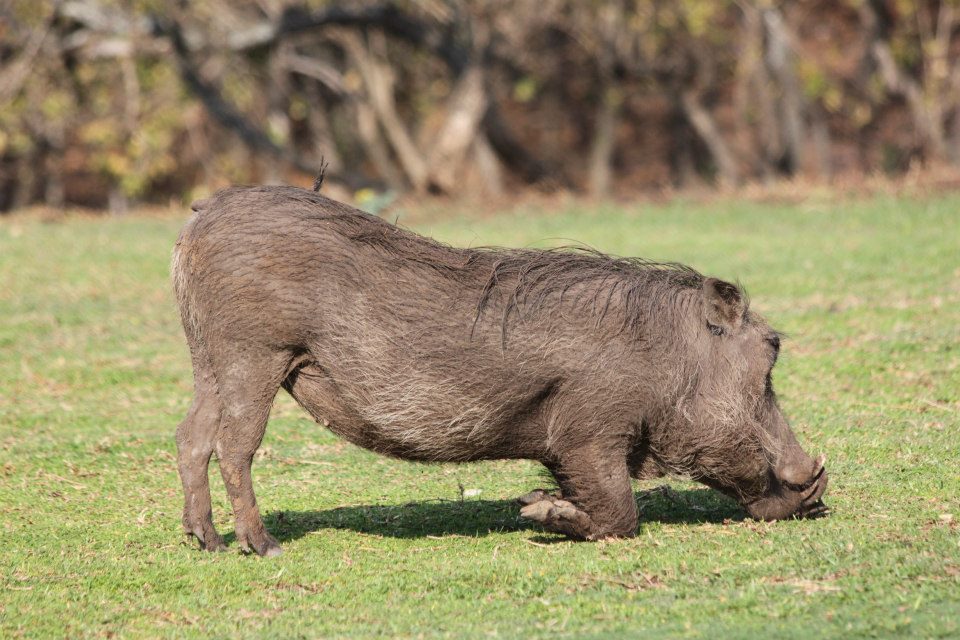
606,281
524,280
318,181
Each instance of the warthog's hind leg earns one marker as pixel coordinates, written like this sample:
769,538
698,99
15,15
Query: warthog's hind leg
248,383
597,498
196,436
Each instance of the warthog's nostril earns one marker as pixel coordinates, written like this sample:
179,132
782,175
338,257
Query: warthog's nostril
811,504
812,490
816,510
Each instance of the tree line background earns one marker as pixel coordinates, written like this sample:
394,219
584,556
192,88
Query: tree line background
108,103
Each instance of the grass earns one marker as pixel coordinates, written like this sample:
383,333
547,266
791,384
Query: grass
94,376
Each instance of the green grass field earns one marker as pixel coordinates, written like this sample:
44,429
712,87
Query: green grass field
94,377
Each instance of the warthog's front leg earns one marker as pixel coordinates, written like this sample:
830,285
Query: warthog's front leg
597,497
559,516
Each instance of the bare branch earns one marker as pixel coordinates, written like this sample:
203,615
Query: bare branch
706,127
17,72
219,108
320,71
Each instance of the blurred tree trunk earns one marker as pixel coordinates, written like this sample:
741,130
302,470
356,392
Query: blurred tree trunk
926,107
277,106
820,138
464,112
780,59
604,139
754,92
682,163
703,123
378,81
377,151
488,166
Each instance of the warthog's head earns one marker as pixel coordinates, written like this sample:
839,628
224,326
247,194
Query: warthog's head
742,444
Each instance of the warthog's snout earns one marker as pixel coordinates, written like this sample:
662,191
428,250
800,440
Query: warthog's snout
792,495
811,504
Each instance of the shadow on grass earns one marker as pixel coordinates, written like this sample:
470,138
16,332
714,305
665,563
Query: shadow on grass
477,518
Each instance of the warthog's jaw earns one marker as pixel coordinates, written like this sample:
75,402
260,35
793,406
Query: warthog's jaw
787,499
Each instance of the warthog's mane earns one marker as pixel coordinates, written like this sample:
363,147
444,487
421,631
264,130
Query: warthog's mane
525,281
595,280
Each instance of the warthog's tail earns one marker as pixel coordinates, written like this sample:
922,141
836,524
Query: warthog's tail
181,271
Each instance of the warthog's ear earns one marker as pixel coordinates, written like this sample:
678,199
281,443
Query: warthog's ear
723,305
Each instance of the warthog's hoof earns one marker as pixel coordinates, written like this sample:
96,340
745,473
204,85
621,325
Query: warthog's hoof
262,545
556,515
215,544
209,539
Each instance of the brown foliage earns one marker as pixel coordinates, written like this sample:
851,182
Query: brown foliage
101,103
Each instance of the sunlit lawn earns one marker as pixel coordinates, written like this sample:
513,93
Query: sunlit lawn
94,376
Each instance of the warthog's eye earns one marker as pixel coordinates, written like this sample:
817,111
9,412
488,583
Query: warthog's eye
774,342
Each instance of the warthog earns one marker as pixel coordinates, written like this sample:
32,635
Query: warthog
601,368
